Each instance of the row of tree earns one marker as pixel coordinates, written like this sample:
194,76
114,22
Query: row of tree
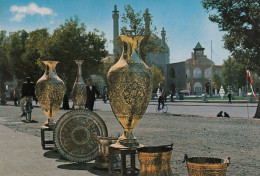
22,52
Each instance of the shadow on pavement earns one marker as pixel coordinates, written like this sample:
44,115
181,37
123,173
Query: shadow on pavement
52,154
84,166
32,121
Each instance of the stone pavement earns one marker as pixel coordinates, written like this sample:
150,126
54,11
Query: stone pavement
21,153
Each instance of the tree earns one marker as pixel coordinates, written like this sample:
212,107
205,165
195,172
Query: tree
71,42
134,22
30,58
241,22
16,48
233,73
217,82
5,73
158,76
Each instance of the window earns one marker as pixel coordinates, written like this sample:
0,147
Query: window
188,73
172,73
197,73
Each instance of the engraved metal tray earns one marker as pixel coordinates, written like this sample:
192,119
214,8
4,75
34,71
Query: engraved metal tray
75,135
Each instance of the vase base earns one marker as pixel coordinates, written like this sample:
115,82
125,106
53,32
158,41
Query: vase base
118,144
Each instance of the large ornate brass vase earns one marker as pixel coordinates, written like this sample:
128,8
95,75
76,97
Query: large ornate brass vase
155,160
130,88
79,93
200,166
50,91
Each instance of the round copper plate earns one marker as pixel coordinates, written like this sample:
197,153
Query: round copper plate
75,135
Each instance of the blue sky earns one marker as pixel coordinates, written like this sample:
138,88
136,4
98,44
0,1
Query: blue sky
185,21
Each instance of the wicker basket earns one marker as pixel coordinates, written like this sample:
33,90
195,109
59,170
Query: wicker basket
205,166
155,160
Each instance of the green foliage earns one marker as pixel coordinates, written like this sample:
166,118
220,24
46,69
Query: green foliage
16,48
71,42
241,22
158,76
234,74
5,74
133,24
22,53
217,82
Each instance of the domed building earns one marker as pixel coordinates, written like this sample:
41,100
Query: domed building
194,74
160,59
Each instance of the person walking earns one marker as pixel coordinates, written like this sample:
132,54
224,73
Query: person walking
91,92
160,101
229,98
28,90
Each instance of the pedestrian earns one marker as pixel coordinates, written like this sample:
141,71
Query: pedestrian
229,98
220,114
28,90
91,92
171,96
165,97
226,115
15,98
105,95
160,101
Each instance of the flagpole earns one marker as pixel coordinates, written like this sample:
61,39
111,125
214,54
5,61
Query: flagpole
247,96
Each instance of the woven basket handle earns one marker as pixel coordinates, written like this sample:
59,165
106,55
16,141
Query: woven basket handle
185,158
227,161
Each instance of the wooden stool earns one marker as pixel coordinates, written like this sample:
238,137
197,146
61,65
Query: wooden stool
43,141
122,152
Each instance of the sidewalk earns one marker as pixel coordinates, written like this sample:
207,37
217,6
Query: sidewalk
22,155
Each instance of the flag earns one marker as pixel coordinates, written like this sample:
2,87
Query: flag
248,75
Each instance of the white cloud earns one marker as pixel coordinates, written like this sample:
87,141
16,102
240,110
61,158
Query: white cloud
20,12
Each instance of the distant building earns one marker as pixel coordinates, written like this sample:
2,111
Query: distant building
194,74
160,59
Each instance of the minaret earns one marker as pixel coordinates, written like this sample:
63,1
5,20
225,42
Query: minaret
147,20
163,34
115,24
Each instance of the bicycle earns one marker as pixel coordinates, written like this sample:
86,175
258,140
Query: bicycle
164,109
28,108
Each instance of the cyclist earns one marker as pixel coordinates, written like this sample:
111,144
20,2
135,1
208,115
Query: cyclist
160,101
27,91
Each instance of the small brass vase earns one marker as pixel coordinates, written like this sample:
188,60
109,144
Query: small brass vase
200,166
155,160
130,88
79,92
50,91
102,159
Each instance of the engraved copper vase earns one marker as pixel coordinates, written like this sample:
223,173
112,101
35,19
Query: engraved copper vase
102,159
130,88
79,93
50,91
155,160
200,166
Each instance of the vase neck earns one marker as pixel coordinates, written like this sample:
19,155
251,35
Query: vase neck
131,48
50,70
79,71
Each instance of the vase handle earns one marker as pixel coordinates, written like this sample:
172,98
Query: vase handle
227,161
